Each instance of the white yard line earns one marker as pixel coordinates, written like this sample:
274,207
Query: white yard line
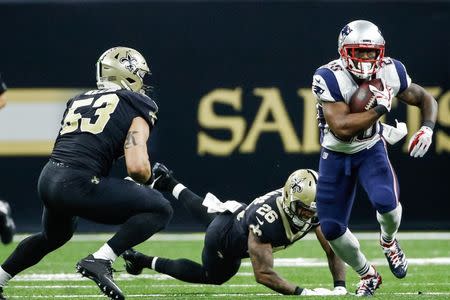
101,237
278,262
210,295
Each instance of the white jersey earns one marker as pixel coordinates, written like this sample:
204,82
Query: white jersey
333,83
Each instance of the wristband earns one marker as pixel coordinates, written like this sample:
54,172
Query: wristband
380,110
298,290
339,283
429,124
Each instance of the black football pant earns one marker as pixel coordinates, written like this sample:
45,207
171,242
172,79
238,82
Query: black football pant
69,193
217,266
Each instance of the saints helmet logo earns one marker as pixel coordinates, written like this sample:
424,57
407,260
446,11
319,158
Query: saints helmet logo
297,185
129,62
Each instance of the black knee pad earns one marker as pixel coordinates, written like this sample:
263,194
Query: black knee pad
331,229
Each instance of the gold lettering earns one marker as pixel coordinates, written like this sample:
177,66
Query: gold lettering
310,125
443,139
208,119
271,104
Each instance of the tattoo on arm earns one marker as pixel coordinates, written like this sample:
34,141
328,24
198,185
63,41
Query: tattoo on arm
130,140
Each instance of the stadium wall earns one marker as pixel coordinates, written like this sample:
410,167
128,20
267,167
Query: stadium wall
232,80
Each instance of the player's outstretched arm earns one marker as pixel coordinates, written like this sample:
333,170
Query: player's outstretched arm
336,265
416,95
262,261
135,149
346,125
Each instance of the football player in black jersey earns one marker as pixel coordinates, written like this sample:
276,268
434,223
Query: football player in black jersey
271,222
97,128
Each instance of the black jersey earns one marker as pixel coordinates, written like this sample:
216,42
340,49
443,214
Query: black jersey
95,125
266,218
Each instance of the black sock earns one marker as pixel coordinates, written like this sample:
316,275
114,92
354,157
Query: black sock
136,230
170,183
193,204
181,269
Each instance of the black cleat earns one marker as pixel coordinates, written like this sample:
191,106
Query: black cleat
134,261
100,271
395,257
1,294
7,226
162,177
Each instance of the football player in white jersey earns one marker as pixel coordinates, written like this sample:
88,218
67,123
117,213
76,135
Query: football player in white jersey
353,148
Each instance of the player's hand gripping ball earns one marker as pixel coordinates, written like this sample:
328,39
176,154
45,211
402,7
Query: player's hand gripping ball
370,94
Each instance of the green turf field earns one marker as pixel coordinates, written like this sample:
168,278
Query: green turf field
54,277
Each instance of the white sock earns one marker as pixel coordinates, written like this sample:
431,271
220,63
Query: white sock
177,190
153,266
347,248
389,223
4,277
105,252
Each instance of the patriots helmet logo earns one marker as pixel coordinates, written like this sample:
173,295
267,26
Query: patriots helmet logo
345,31
129,62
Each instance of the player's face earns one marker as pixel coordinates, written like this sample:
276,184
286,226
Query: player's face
365,53
304,213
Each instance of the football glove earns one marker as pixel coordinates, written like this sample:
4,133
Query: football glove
394,134
420,142
316,292
339,290
383,97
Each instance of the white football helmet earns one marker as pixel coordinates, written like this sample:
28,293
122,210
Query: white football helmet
356,35
299,197
122,67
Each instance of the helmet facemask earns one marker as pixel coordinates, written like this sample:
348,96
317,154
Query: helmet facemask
362,68
301,214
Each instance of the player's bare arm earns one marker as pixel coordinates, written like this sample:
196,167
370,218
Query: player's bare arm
344,124
336,265
261,257
135,149
418,96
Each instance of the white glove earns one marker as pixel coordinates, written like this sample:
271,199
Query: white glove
394,134
383,97
339,291
420,142
316,292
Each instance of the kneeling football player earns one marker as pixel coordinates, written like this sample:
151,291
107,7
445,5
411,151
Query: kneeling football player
271,222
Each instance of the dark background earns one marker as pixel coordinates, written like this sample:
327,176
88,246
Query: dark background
196,47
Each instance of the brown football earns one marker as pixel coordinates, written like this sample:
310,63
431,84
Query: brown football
363,99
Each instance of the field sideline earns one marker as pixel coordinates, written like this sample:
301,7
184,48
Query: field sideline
303,263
